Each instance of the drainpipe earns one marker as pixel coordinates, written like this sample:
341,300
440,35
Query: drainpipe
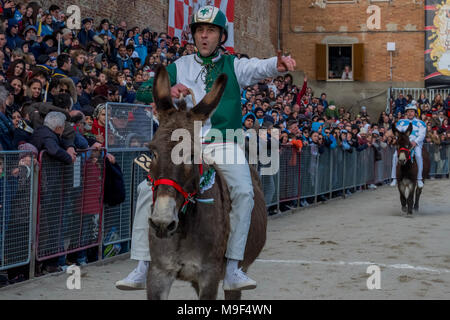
280,6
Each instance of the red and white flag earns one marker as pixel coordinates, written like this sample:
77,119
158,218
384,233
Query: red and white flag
180,15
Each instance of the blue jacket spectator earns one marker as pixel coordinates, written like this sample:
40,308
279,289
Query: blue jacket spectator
86,34
400,104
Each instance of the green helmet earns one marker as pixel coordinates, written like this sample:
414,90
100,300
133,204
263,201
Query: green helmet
210,15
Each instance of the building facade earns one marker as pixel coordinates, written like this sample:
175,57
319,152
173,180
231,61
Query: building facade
324,36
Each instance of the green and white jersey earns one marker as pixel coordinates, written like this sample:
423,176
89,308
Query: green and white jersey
190,71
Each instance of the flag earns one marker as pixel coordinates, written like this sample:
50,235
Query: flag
180,15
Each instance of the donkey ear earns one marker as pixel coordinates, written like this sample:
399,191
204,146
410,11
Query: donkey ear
394,130
208,105
161,90
409,130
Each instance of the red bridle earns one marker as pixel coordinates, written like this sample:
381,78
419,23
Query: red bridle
408,152
188,197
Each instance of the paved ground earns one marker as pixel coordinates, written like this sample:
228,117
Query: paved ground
317,253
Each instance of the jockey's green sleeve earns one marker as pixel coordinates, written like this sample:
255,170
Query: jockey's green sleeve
145,92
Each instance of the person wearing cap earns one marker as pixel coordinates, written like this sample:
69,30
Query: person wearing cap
417,136
29,34
197,72
86,34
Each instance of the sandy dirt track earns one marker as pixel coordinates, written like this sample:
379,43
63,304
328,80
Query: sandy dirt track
318,253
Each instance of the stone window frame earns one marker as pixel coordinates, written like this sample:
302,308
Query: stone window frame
328,61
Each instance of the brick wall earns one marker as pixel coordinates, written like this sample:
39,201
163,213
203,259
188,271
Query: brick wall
254,19
402,21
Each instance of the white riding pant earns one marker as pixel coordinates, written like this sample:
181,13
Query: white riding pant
237,176
417,157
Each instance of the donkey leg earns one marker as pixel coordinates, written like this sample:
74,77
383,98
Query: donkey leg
402,200
410,202
233,295
208,285
196,288
159,283
416,202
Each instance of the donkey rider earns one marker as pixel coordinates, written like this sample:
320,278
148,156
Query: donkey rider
417,136
198,72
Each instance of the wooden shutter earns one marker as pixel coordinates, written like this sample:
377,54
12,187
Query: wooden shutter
321,61
358,61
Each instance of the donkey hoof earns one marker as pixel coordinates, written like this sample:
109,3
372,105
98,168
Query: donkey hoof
404,209
409,215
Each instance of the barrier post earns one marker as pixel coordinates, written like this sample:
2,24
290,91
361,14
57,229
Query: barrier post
316,170
331,174
33,226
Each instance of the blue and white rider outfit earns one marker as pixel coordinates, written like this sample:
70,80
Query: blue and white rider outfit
418,136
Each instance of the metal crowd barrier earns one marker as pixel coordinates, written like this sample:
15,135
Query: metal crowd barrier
129,129
16,181
439,158
70,204
70,216
308,174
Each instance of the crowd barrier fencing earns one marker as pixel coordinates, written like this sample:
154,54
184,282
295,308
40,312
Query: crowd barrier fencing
70,204
61,211
129,129
16,192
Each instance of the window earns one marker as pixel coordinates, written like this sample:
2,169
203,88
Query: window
339,62
339,59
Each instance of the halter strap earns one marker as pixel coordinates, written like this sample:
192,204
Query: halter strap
407,150
188,197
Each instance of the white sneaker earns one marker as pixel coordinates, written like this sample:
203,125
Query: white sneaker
136,280
393,183
419,184
238,280
372,186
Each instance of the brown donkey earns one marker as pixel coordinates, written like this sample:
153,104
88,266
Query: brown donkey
190,244
407,171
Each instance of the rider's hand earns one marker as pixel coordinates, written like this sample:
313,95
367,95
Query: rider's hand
285,63
179,89
413,144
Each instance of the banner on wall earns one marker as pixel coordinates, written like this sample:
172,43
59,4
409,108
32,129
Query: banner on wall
180,14
437,43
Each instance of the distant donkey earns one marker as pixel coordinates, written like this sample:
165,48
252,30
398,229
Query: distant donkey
407,170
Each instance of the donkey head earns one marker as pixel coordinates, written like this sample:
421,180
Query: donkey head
177,178
403,144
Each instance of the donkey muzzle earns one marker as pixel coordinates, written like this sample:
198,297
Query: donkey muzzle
164,218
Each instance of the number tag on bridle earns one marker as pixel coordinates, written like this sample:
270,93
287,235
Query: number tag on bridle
144,162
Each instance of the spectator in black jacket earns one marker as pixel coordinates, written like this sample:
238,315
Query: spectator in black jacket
48,138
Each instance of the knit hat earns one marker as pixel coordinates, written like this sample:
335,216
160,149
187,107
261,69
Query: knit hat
28,147
30,27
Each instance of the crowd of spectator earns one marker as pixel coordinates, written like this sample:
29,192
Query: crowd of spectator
304,118
55,82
